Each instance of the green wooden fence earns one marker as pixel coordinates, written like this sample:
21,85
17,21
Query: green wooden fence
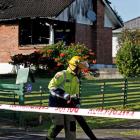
110,92
94,93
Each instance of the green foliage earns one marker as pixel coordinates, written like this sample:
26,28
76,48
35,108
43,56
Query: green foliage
132,37
53,58
90,98
61,53
128,56
25,60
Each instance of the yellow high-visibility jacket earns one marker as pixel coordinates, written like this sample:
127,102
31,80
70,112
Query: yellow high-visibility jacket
66,80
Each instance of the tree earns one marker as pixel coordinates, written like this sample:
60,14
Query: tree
128,56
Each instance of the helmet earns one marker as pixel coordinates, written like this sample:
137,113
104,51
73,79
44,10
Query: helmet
78,61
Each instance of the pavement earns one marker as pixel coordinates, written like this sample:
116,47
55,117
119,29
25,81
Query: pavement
100,134
10,132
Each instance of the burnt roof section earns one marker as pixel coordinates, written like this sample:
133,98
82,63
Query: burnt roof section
15,9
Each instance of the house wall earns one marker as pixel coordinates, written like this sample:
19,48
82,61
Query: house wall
9,43
86,35
104,37
97,37
115,45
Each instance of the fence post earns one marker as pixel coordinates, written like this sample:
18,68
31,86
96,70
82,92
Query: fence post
125,92
40,116
21,96
21,102
21,99
14,98
103,95
41,91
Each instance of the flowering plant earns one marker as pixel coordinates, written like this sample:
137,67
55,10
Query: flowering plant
53,58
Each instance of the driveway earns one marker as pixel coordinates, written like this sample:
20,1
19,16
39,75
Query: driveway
102,134
11,132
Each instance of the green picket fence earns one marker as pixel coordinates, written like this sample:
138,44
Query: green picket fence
110,92
105,93
94,93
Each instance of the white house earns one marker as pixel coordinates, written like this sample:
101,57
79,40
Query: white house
132,24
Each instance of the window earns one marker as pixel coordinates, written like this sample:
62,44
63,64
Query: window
33,31
37,31
64,32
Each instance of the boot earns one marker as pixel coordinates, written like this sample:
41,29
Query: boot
54,131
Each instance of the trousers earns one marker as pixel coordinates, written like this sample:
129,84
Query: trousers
67,122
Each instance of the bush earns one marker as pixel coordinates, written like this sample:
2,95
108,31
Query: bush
53,58
128,56
133,37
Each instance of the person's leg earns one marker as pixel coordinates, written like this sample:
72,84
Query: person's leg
58,125
70,127
54,131
85,127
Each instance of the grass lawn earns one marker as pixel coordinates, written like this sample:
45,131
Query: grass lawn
131,133
94,93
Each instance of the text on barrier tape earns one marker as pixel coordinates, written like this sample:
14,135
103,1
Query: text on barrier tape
98,112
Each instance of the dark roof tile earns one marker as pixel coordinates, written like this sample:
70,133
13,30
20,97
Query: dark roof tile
12,9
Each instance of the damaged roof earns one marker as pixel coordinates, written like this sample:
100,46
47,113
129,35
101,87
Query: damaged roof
17,9
13,9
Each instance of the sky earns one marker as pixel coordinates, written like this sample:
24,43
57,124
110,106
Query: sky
126,9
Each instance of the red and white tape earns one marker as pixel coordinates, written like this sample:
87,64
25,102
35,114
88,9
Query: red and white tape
98,112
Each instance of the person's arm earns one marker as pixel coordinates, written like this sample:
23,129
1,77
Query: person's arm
56,86
60,93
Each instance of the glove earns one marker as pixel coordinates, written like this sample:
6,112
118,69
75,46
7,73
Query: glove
78,106
66,96
70,102
77,102
74,102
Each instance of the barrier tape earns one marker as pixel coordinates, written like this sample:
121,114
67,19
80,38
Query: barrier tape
98,112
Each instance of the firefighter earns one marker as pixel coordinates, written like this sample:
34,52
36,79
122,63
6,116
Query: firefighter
64,87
